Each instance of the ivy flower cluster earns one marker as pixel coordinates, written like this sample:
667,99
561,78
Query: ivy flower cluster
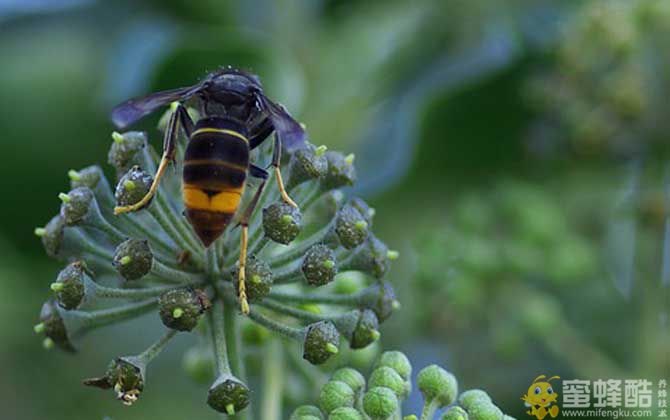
118,268
607,89
348,395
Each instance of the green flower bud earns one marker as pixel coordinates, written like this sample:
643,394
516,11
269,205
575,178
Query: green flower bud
51,323
88,177
341,171
228,395
335,394
52,235
76,205
321,342
258,278
372,257
364,209
306,412
484,410
397,361
351,377
306,163
351,227
455,413
132,187
437,384
381,299
198,363
471,397
281,222
366,331
380,403
125,148
319,266
133,259
389,378
125,375
349,283
180,309
69,287
345,413
410,417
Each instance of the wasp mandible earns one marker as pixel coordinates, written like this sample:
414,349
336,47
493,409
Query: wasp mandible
236,118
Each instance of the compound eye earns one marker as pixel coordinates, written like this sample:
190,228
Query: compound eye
550,391
538,391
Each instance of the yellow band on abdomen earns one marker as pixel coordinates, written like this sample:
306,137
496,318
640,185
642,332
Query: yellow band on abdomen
225,201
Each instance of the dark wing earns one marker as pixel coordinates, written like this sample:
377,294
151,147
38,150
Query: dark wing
290,131
133,110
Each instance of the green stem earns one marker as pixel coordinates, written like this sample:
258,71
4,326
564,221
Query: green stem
273,374
90,246
290,311
290,274
173,275
161,218
272,325
154,350
152,235
429,409
219,339
349,300
114,293
95,319
212,263
232,330
98,222
299,249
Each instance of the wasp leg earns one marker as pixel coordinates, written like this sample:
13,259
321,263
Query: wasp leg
244,223
276,159
179,116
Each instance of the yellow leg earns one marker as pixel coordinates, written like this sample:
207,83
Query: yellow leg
241,276
165,160
282,189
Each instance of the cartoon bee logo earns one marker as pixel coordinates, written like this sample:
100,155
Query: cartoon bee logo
540,398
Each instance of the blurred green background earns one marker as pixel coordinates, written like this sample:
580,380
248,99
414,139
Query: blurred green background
517,154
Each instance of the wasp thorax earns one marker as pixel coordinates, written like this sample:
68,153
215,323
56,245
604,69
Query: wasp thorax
181,309
258,279
321,342
281,222
133,259
69,288
132,187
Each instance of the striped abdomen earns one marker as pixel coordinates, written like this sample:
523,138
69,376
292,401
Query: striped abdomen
215,168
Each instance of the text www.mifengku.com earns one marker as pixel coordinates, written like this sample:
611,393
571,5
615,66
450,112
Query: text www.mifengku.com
620,413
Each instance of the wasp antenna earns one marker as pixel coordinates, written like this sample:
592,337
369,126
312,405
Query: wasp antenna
552,378
539,377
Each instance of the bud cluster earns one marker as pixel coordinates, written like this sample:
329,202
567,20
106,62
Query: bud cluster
119,267
348,395
613,100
